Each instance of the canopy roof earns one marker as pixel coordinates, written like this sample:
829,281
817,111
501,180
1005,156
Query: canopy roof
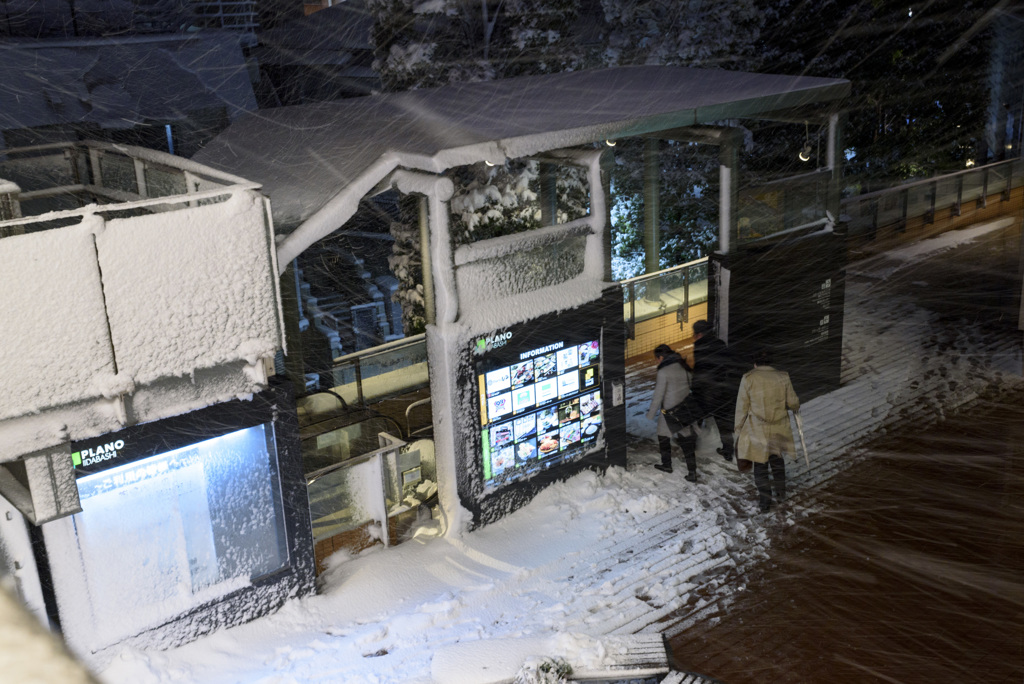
306,155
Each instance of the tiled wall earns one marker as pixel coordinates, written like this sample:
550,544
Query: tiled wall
665,330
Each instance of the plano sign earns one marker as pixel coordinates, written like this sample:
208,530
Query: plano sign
98,454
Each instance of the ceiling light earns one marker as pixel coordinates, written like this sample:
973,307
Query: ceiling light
805,153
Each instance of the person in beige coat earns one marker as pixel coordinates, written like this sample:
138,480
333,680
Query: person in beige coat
670,389
763,433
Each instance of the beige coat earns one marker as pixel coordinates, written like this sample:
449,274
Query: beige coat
762,422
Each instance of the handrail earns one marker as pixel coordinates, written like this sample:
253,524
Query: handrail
663,271
924,199
790,231
629,287
822,171
134,152
355,460
355,360
380,348
91,209
927,181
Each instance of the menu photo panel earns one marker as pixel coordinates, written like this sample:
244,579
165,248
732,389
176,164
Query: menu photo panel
540,401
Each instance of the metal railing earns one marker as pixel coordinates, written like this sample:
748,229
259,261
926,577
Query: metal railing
227,14
387,370
673,289
928,198
50,186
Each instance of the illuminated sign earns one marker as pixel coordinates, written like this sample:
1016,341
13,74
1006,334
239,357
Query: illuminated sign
539,406
97,454
492,342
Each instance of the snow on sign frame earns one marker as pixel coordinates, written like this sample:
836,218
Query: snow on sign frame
508,395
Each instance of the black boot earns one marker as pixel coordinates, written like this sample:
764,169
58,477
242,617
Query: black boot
688,443
764,488
778,468
727,440
665,447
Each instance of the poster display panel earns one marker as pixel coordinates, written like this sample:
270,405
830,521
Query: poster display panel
539,400
160,534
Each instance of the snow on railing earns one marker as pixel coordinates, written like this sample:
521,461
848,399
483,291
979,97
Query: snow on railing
57,184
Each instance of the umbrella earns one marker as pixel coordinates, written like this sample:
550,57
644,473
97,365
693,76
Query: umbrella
803,440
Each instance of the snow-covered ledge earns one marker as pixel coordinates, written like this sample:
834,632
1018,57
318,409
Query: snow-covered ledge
122,320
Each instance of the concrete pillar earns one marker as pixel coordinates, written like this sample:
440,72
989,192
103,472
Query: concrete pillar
836,122
429,310
607,164
652,190
294,365
729,190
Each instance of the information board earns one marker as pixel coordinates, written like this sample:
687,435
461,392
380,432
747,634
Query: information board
540,404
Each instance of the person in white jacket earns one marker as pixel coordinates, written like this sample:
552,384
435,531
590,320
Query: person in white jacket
671,388
763,433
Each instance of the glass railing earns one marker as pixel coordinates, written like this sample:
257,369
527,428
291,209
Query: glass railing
674,289
773,207
384,371
341,498
371,488
340,438
929,199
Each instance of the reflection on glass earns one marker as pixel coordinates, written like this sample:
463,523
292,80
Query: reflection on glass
155,532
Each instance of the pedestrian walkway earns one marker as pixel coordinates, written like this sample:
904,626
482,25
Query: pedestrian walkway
903,362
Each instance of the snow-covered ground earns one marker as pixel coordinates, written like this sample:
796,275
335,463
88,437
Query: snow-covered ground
630,551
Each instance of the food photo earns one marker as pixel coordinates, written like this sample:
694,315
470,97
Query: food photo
548,443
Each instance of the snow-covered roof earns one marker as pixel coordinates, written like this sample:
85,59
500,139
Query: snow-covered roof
305,155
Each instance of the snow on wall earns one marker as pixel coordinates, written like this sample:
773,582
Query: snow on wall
189,289
18,572
489,295
177,308
79,420
55,341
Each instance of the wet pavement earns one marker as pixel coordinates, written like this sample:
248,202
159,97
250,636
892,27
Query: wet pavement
911,568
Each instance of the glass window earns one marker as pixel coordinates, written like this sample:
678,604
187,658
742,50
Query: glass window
162,534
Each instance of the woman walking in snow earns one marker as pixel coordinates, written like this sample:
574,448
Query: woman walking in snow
763,433
671,388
